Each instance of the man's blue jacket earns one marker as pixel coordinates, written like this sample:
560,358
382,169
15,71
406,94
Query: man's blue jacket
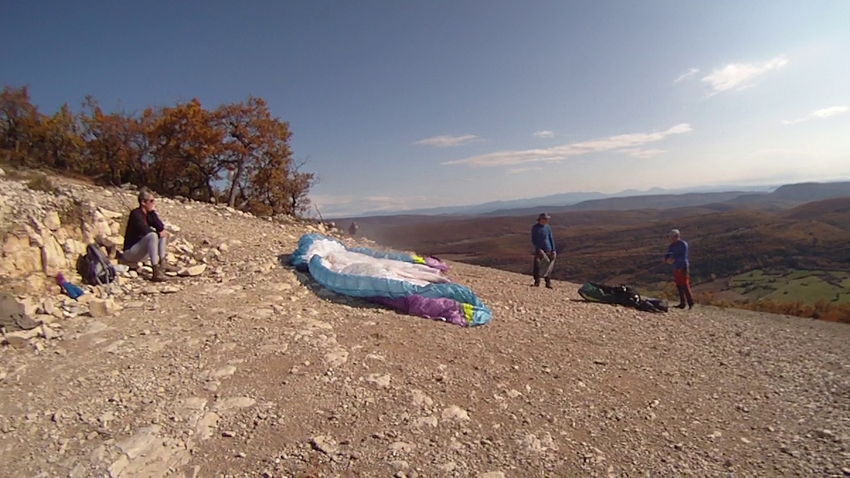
541,237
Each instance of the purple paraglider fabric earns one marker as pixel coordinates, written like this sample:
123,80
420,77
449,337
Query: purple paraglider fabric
437,308
435,263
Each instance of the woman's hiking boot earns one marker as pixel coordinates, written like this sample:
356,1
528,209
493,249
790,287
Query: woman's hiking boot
158,274
549,283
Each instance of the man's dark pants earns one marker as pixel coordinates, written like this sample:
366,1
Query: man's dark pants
538,257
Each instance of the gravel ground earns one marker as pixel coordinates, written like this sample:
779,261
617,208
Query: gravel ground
259,372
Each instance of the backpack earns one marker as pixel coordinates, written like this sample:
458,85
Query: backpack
653,305
94,266
619,294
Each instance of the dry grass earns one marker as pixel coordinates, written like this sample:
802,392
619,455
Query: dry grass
71,214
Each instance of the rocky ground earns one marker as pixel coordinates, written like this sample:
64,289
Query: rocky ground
248,368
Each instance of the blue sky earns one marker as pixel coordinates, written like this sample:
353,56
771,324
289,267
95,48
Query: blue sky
425,104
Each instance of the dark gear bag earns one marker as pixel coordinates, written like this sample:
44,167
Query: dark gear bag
94,267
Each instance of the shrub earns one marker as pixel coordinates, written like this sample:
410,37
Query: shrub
40,182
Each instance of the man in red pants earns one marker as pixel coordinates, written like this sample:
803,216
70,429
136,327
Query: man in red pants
677,254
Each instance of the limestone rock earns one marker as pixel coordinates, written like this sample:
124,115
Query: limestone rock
98,226
324,444
13,314
106,213
19,258
380,381
455,413
53,257
193,271
420,399
233,403
101,307
51,221
35,283
24,334
206,425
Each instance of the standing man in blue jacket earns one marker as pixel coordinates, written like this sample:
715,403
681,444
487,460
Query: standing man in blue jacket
544,248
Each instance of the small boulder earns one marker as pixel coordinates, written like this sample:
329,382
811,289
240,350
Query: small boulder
51,221
193,271
101,307
15,315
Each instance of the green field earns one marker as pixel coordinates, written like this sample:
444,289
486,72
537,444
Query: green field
797,286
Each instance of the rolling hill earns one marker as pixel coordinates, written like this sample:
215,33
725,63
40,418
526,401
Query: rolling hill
726,239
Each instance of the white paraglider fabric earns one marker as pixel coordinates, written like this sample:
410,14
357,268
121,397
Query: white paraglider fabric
337,258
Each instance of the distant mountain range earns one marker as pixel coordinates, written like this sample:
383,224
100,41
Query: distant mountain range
559,201
775,199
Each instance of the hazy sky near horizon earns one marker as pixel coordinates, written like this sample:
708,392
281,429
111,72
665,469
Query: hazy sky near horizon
423,104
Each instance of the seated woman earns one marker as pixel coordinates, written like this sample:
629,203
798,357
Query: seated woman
146,237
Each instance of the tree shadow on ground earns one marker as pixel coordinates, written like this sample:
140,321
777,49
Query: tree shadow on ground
322,292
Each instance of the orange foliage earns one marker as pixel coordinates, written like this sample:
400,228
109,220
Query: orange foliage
189,149
109,143
179,150
19,119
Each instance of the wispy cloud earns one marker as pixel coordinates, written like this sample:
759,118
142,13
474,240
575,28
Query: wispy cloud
739,76
688,74
819,114
446,140
559,153
544,134
523,170
641,153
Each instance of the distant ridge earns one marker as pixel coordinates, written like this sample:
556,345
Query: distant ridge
771,198
551,201
659,201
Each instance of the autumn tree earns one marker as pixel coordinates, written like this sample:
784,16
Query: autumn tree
109,144
178,150
298,189
278,187
189,150
20,119
58,143
141,147
255,140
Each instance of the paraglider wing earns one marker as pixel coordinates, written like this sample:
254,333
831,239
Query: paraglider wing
409,283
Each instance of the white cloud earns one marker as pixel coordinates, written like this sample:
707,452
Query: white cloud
684,76
559,153
446,140
739,76
820,114
544,134
524,170
641,153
